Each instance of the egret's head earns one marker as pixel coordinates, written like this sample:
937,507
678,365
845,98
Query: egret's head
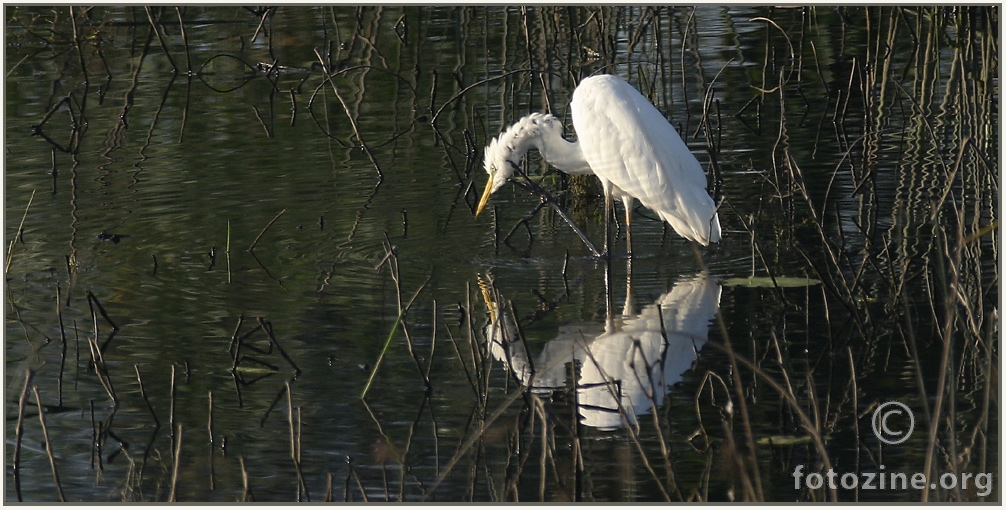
499,167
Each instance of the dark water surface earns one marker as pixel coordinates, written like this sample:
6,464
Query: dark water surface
854,152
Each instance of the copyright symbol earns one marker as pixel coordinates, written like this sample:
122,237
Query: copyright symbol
895,412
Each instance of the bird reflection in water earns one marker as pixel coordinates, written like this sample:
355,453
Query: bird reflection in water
627,365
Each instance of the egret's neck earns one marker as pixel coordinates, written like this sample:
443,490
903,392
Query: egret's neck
561,153
544,132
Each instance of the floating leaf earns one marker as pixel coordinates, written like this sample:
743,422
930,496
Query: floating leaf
783,440
765,281
248,371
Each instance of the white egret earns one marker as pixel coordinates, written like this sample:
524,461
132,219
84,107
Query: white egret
627,144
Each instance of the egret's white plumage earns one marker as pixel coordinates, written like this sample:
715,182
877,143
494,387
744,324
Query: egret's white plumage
627,144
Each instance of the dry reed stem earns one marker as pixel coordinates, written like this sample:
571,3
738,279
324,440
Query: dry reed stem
267,327
209,418
164,46
251,247
143,395
171,408
349,115
20,231
295,446
18,431
246,493
176,465
48,444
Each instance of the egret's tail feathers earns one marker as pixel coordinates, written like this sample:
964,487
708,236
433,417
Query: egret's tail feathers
714,229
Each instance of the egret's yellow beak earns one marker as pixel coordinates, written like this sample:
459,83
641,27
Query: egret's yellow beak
485,196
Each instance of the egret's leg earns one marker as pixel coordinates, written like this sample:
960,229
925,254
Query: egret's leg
609,319
607,224
607,253
628,309
629,204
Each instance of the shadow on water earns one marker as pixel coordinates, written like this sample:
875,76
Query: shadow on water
241,250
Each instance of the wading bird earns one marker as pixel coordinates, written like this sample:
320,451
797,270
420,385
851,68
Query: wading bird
627,144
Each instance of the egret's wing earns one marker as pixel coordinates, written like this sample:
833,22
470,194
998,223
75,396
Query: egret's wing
628,142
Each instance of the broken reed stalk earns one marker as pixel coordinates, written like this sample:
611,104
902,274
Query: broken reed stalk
391,259
246,493
164,46
461,360
359,485
478,435
251,247
949,257
349,115
93,301
235,347
267,327
171,407
209,418
329,497
143,395
345,483
294,449
48,444
62,352
433,342
272,405
20,231
396,276
738,386
18,432
227,251
539,412
95,445
97,358
185,41
384,350
173,495
805,421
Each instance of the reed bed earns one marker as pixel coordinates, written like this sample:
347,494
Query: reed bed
893,208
